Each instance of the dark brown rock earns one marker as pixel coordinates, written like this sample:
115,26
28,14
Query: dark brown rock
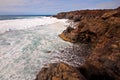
59,71
101,29
82,14
104,59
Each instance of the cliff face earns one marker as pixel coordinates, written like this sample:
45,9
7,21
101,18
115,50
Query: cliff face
100,29
93,27
82,14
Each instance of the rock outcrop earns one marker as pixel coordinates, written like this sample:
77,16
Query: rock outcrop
101,30
104,59
90,29
59,71
82,14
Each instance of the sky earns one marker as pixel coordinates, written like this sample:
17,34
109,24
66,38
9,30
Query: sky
39,7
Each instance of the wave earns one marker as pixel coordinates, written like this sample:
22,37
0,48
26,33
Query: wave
28,46
20,24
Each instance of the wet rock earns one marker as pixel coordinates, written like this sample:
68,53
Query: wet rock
59,71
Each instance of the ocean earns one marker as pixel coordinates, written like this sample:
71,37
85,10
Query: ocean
11,17
27,43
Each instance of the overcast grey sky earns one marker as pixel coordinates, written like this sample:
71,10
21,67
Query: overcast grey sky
52,6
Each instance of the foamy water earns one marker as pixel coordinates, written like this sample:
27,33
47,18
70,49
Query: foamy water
27,44
6,25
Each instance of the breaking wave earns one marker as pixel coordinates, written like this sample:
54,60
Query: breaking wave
27,44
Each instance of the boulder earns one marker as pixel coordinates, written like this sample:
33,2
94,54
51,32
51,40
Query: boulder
59,71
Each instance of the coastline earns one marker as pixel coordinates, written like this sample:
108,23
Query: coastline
100,29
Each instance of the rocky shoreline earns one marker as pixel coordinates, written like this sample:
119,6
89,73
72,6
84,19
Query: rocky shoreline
101,30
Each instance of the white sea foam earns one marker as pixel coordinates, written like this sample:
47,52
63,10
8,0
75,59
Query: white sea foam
18,24
27,45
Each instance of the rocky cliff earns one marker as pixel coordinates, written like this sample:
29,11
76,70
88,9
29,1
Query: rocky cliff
100,29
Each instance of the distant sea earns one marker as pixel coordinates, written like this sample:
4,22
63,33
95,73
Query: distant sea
11,17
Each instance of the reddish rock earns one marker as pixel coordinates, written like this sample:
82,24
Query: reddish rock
82,14
104,60
115,13
59,71
101,29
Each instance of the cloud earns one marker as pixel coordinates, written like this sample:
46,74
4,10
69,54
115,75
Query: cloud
9,5
5,3
110,4
52,6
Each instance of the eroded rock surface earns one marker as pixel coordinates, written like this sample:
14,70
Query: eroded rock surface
59,71
102,31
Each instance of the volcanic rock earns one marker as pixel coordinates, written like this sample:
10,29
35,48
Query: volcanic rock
101,29
59,71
